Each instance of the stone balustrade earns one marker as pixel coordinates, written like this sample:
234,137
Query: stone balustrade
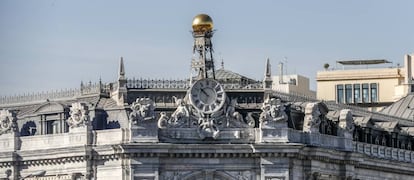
384,152
247,135
52,141
284,135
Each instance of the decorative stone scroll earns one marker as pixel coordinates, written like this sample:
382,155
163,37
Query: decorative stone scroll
346,124
312,118
8,122
79,115
142,110
273,114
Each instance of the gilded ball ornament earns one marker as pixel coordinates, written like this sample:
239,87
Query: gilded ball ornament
202,23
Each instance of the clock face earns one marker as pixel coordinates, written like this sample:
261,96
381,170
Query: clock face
207,95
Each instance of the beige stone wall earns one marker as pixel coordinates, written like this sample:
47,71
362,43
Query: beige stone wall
389,82
301,87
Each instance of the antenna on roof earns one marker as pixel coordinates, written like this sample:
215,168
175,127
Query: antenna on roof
222,61
285,59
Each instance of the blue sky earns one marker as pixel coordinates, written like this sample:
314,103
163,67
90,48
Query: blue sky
53,44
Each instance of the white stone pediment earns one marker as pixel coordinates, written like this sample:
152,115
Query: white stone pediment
50,107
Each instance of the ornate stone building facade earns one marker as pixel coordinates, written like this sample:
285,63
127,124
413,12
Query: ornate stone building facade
200,128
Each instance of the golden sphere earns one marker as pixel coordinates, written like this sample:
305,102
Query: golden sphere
202,23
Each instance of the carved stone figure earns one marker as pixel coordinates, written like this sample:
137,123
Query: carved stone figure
250,120
312,118
346,124
7,122
181,114
79,115
163,120
233,117
142,110
273,111
208,128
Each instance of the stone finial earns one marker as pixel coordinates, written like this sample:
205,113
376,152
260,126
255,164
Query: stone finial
79,115
346,124
312,120
121,69
8,122
142,110
268,70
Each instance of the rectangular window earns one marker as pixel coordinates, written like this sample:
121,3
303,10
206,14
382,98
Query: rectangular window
348,93
357,93
374,92
365,93
340,93
49,127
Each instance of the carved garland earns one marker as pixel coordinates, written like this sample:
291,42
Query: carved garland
79,115
7,122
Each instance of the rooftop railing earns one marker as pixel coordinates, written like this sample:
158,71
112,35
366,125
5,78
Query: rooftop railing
55,95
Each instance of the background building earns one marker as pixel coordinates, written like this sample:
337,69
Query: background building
204,127
293,84
364,84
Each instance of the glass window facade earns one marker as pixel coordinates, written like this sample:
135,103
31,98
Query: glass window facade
357,93
340,93
348,93
365,93
374,92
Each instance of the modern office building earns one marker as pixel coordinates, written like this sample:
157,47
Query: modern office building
215,125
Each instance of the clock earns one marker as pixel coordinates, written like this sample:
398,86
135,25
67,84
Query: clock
207,96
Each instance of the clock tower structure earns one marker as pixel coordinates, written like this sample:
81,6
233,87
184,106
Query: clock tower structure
203,62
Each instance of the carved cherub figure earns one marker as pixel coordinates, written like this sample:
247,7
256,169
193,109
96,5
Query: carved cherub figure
163,120
273,110
142,109
181,113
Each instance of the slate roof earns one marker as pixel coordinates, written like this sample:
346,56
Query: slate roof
223,74
403,108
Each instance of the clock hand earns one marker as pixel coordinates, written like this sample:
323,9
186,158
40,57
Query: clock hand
204,92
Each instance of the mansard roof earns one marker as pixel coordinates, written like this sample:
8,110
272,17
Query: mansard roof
28,108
